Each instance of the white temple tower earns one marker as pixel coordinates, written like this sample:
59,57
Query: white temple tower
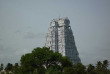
60,39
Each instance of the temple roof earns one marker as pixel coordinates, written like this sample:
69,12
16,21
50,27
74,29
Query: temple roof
60,22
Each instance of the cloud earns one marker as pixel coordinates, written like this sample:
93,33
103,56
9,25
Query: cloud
30,35
1,47
17,31
20,52
0,39
10,55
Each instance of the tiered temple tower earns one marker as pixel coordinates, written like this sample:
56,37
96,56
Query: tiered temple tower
60,39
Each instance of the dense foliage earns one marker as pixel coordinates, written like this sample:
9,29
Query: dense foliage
45,61
42,59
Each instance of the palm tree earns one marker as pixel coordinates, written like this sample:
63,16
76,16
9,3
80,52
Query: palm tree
99,66
105,64
90,69
1,68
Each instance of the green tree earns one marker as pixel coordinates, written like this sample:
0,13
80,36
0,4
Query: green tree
91,69
105,64
79,68
69,70
1,67
65,61
16,68
41,59
27,63
99,66
9,67
53,70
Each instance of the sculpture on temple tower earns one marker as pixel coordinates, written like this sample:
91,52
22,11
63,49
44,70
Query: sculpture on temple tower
60,39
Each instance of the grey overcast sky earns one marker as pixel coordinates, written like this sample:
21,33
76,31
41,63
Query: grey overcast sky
24,24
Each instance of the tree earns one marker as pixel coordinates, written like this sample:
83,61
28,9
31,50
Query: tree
99,66
91,69
16,68
9,67
79,68
41,59
69,70
105,64
53,70
1,67
27,63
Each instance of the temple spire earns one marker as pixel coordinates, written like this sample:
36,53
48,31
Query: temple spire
60,38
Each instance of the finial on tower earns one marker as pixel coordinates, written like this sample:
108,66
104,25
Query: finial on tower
59,16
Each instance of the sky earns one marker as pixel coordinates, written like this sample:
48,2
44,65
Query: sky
24,25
